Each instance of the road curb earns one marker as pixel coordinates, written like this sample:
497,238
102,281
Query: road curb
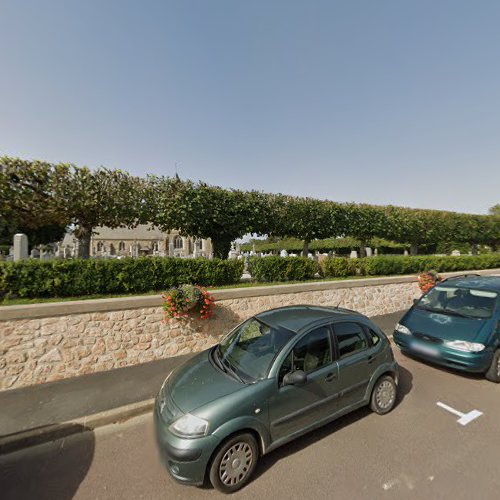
32,437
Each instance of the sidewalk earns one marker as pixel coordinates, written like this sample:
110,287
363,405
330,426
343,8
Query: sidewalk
55,402
44,406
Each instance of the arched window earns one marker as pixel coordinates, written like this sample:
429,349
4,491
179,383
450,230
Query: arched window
100,246
112,249
199,244
178,243
121,246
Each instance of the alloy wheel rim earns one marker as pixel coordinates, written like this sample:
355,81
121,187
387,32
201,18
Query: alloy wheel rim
235,463
498,367
385,395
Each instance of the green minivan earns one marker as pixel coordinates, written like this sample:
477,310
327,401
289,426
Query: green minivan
456,324
274,377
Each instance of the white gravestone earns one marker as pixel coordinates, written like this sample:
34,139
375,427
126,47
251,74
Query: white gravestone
20,246
354,254
369,252
283,253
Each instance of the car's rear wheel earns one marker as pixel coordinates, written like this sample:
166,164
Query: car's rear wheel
234,463
493,372
383,395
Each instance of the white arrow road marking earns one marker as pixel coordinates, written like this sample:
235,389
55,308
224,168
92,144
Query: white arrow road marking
465,418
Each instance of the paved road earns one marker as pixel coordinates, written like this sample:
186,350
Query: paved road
416,451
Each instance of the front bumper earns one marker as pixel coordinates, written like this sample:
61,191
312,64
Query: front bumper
477,362
185,459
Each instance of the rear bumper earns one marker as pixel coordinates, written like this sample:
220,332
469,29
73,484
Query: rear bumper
477,362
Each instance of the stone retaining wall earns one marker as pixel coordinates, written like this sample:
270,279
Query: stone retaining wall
42,343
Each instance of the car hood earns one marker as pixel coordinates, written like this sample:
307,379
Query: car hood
444,326
198,382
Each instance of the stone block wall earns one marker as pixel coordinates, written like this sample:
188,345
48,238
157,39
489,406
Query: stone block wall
42,349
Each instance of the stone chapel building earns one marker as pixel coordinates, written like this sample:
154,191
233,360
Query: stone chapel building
139,242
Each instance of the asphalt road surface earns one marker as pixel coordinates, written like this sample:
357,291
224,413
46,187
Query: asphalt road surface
419,450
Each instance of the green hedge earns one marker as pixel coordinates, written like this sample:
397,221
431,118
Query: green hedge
72,278
341,267
393,265
272,268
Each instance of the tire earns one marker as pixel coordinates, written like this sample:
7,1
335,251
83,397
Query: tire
493,373
234,463
383,396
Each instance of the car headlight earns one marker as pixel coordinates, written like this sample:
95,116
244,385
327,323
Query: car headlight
462,345
402,329
189,426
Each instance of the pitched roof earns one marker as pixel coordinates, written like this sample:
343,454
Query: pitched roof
141,232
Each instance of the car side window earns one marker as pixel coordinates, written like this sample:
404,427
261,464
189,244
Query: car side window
350,338
310,353
372,336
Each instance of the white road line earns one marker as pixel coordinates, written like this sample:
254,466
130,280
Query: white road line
464,418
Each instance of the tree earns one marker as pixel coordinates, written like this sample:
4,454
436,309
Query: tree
204,211
40,195
364,222
26,203
495,209
92,198
307,219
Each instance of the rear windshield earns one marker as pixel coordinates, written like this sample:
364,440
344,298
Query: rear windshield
459,301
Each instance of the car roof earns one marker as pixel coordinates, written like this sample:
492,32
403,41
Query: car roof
476,282
296,318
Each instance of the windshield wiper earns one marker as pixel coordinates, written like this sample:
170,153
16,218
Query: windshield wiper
229,368
429,308
218,357
445,311
456,313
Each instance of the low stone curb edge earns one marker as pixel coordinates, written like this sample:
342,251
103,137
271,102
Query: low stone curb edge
45,434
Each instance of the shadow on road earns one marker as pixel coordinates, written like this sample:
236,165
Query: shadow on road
405,384
49,471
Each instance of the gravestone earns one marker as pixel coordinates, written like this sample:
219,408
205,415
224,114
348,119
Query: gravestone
354,254
283,253
369,252
20,246
35,253
455,253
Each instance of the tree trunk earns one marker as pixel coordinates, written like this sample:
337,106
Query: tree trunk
413,249
362,249
305,251
84,234
221,248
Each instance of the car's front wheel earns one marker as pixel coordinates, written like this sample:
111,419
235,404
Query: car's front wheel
234,463
493,372
383,395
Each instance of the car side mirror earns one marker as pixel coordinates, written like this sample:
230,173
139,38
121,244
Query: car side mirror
415,301
298,377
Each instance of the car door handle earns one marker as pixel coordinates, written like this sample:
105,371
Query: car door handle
370,359
330,377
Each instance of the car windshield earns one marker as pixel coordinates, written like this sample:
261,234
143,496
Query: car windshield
249,350
465,302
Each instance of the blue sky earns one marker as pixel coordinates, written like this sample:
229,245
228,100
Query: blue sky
368,101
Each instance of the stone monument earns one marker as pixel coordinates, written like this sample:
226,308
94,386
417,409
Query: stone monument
20,246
